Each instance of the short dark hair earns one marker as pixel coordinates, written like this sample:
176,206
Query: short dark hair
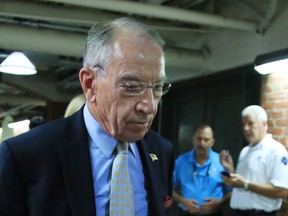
203,126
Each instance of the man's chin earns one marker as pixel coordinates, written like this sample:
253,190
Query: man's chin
134,136
249,139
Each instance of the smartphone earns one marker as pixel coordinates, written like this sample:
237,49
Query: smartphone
226,173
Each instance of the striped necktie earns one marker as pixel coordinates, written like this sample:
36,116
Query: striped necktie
121,191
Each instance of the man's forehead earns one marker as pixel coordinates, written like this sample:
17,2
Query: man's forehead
204,137
249,117
204,134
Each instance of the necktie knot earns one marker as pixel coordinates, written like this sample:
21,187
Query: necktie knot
122,148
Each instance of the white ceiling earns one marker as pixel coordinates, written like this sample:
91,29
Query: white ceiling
202,37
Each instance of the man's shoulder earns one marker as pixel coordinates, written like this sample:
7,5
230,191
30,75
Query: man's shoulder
41,130
270,144
50,130
153,135
47,134
214,153
185,156
157,142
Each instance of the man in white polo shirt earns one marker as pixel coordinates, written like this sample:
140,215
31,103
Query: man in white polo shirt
261,179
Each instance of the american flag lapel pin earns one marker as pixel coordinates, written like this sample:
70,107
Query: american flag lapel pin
153,157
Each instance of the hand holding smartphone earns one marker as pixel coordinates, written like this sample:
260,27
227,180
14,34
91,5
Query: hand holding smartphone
226,173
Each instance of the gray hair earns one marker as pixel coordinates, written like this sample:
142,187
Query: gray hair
260,113
97,52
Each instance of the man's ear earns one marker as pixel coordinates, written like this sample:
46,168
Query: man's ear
87,78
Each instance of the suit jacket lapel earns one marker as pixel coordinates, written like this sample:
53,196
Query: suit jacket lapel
76,165
152,178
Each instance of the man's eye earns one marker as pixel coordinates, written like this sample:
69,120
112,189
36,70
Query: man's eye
158,87
132,87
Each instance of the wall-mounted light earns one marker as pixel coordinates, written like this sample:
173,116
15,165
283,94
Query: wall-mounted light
272,62
17,63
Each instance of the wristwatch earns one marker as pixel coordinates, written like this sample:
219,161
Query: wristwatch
246,185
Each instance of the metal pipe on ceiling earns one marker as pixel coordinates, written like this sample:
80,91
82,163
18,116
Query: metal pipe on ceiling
14,37
78,17
163,12
269,16
51,13
16,110
16,100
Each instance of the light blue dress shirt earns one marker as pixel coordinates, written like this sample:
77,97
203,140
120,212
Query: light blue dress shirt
199,182
102,153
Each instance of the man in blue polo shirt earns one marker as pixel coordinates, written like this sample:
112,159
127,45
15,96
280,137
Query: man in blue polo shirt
198,186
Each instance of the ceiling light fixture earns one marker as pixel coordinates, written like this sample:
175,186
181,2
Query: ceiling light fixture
272,62
17,63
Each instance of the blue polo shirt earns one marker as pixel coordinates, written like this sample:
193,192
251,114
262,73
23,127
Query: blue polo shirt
199,182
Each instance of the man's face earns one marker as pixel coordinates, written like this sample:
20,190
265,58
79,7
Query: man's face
124,116
253,129
203,140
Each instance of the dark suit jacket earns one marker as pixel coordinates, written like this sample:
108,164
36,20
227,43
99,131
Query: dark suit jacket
47,171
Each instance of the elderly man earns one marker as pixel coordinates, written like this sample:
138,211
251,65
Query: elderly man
66,167
260,181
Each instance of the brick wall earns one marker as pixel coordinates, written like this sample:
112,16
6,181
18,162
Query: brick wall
274,99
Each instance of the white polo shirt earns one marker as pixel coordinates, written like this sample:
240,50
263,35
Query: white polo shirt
267,162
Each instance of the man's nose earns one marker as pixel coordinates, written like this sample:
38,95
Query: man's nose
147,103
245,127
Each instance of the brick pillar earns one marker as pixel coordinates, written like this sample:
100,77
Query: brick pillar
274,99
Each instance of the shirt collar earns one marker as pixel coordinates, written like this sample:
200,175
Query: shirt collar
100,138
262,142
192,158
